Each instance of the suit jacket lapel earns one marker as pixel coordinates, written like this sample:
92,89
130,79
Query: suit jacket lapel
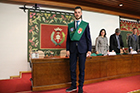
137,37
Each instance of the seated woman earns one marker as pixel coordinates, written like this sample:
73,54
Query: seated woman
101,44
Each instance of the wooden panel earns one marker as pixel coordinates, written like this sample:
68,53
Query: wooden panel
130,5
123,65
130,9
92,68
111,65
53,73
103,68
96,67
135,63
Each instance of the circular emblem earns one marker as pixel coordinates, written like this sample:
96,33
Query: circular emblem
71,29
80,30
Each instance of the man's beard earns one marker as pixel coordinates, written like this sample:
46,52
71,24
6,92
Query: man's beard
79,17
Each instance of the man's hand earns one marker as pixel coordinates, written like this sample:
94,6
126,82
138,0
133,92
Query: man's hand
97,52
124,50
88,53
67,53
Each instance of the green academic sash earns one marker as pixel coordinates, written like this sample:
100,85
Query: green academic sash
76,35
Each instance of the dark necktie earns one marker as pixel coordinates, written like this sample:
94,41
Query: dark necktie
77,24
118,42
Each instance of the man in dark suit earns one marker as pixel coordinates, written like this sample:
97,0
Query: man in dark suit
116,42
78,44
133,41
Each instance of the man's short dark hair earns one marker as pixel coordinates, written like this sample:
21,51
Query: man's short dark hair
134,28
77,7
117,30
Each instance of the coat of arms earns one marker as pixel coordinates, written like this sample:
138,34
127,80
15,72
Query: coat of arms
57,36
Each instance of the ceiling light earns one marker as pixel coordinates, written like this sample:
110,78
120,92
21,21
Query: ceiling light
120,4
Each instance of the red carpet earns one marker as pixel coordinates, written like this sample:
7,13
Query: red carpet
123,85
16,85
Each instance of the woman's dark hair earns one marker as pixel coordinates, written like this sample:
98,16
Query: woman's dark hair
101,31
